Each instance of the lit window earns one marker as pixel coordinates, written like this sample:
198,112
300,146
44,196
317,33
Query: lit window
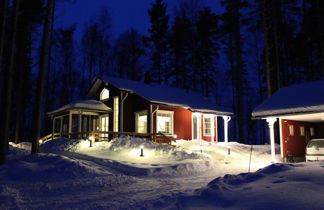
291,130
207,126
104,94
104,125
164,122
116,113
312,132
141,122
302,130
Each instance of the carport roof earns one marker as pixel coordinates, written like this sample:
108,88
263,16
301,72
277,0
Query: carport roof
299,99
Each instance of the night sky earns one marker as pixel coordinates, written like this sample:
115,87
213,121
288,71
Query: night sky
124,13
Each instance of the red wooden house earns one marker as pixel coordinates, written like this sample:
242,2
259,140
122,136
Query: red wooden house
299,112
121,105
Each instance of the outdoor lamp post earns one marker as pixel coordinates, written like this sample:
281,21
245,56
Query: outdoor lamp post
90,140
142,151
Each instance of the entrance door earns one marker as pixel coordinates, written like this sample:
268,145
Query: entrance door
195,127
104,125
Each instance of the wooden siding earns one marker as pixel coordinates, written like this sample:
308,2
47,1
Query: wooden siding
295,145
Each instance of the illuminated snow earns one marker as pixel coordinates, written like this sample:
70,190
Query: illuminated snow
112,175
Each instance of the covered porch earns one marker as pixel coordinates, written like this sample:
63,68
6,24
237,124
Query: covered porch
77,120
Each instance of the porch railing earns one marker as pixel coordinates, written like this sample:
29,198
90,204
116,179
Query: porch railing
108,135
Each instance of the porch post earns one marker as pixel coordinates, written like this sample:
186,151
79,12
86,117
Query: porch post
212,128
53,126
271,121
61,125
226,120
80,124
151,119
70,124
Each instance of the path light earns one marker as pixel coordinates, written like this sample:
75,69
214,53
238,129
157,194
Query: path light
228,149
90,140
142,150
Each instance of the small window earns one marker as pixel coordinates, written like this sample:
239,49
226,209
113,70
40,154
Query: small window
104,95
164,122
291,130
312,132
141,122
207,126
302,130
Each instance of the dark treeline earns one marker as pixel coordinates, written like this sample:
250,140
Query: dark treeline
236,57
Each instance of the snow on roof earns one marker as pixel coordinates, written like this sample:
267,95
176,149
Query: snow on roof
296,99
168,95
90,105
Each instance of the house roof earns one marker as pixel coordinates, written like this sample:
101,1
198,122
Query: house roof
297,99
166,95
87,105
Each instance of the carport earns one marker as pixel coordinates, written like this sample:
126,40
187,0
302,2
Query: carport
299,110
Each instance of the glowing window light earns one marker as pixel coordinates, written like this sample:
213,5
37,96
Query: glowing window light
104,94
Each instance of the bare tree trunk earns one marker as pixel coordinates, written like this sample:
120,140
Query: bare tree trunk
271,45
4,4
45,48
8,88
321,37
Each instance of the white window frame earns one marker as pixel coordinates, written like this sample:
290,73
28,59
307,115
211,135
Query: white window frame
210,125
171,123
102,96
137,114
106,116
116,114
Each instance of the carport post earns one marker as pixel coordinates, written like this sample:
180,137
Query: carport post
271,121
226,120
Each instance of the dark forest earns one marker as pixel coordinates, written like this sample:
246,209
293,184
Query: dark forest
236,58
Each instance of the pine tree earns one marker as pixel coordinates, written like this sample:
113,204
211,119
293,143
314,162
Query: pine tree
158,40
3,7
8,88
128,55
2,40
270,11
29,19
208,35
44,56
179,52
232,26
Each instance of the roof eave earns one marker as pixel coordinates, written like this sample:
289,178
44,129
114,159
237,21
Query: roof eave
263,116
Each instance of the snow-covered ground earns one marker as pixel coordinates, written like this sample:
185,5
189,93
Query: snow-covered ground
68,174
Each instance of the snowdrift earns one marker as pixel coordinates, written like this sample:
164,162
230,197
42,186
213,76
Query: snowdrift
278,186
123,156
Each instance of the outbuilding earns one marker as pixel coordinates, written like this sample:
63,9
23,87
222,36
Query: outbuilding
299,111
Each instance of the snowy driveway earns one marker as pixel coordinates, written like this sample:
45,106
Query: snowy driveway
73,176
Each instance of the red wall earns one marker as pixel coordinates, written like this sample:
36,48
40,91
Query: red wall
296,144
182,122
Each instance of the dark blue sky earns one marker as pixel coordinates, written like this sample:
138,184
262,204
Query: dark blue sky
124,13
